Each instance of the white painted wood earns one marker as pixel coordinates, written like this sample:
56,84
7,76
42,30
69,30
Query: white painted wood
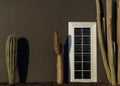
71,26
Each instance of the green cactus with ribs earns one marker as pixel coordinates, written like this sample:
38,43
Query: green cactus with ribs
11,53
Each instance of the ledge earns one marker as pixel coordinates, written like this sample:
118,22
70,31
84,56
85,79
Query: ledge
55,84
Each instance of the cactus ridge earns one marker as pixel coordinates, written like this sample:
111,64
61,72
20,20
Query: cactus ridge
11,52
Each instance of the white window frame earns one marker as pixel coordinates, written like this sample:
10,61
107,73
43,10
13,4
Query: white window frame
71,26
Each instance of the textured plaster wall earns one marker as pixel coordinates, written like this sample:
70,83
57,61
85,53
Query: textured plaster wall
36,20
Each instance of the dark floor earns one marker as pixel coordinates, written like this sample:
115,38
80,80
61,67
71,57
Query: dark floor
55,84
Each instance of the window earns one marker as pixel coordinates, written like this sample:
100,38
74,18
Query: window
82,51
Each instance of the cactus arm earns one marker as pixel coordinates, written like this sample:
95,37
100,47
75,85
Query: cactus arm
101,43
109,40
118,41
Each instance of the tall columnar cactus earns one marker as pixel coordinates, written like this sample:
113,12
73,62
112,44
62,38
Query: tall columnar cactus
101,41
118,40
109,40
59,58
107,56
11,52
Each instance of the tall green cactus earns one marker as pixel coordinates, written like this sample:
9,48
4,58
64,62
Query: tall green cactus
11,52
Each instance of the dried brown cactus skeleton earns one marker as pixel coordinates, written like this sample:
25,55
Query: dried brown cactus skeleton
108,56
59,58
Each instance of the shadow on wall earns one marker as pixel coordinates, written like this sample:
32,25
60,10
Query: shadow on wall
66,59
23,59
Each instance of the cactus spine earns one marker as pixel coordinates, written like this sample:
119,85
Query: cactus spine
11,52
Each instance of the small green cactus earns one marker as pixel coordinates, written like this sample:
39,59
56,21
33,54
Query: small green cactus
11,52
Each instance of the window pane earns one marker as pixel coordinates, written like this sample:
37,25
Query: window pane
86,74
86,40
78,31
86,31
86,57
78,48
86,48
78,40
78,66
78,57
78,74
86,66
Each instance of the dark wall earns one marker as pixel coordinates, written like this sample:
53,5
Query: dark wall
36,20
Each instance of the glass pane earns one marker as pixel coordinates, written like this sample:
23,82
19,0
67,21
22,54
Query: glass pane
78,48
86,31
78,66
78,57
78,40
86,40
78,74
86,74
78,31
86,66
86,57
86,48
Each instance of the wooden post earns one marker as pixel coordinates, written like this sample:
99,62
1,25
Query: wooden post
109,40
